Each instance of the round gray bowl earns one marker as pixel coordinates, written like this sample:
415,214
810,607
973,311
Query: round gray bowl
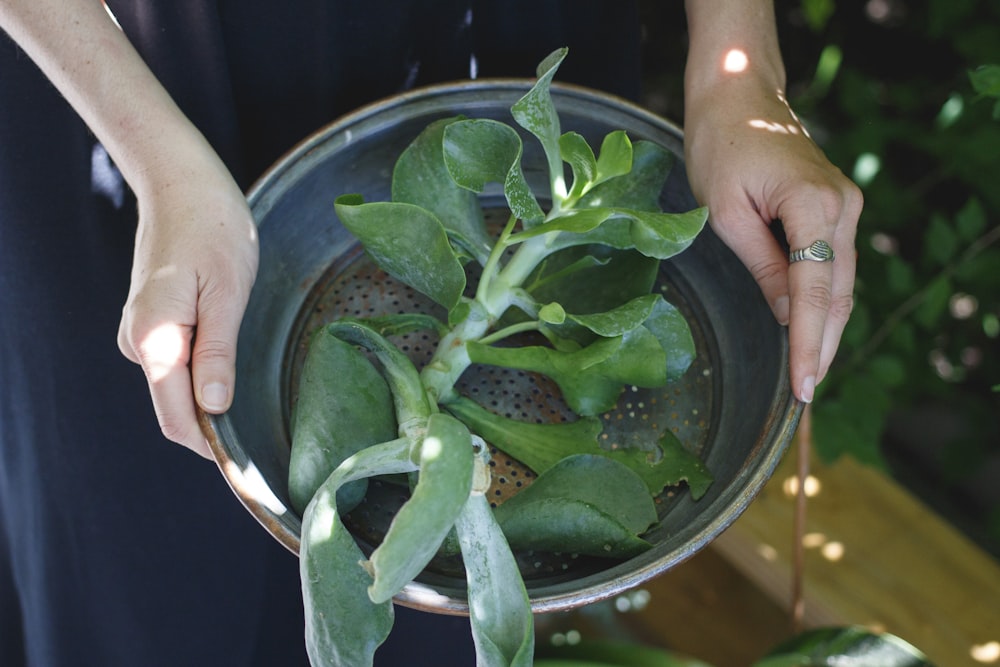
734,407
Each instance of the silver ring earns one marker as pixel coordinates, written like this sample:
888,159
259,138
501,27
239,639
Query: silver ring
819,251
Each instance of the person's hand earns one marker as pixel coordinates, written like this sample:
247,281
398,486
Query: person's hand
195,262
751,162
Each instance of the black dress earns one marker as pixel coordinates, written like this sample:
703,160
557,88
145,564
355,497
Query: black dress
118,548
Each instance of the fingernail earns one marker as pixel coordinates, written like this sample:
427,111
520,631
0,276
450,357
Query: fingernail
214,396
808,388
781,310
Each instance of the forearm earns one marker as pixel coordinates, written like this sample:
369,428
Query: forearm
91,62
733,44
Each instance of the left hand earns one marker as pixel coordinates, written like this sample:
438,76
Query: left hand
750,160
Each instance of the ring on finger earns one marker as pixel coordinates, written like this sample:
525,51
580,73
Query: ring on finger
817,251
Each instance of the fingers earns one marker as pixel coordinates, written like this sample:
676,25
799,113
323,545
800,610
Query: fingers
163,349
213,360
821,293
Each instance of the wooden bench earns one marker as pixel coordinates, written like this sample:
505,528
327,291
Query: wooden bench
875,556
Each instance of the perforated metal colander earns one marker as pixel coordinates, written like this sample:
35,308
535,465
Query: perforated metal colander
734,407
357,288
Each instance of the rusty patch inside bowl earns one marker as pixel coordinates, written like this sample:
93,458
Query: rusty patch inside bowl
355,287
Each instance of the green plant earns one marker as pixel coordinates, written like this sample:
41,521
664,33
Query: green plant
553,275
821,647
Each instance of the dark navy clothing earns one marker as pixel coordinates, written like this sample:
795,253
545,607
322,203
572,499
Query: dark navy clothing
118,548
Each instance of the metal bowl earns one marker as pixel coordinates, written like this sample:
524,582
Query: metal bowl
734,407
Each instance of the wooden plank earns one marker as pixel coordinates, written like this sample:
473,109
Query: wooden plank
876,556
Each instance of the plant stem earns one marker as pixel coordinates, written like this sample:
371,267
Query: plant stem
490,268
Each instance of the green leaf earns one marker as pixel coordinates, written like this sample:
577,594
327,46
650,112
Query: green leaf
421,178
342,625
640,188
591,279
900,276
407,242
481,151
615,160
940,241
654,234
597,480
935,303
576,152
971,220
499,609
829,647
588,392
672,331
621,319
552,313
343,406
541,446
586,504
421,524
411,403
536,113
888,370
611,653
985,80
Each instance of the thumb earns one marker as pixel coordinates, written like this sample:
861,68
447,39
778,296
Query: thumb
213,356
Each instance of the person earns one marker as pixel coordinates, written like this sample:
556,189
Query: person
130,131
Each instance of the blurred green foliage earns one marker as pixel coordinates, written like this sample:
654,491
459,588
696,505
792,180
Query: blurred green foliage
912,113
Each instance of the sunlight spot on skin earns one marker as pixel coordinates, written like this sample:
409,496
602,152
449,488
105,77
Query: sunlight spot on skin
812,487
986,653
163,349
736,61
771,126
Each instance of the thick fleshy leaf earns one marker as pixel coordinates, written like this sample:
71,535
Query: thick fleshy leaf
671,328
578,154
588,392
615,158
541,446
502,624
592,279
597,480
611,653
421,178
421,524
654,234
408,396
582,529
536,113
342,626
683,466
640,188
624,318
343,406
854,645
407,242
481,151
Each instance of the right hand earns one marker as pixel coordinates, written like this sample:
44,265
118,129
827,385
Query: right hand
194,264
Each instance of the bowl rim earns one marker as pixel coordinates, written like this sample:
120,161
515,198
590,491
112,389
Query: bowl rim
252,490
